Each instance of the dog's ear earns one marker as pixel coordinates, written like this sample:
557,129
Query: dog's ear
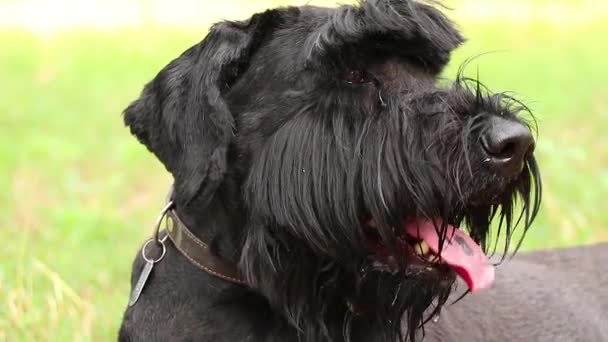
181,115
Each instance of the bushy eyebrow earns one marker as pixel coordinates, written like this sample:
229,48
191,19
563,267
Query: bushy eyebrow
405,25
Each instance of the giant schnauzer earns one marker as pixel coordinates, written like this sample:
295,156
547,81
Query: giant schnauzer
327,185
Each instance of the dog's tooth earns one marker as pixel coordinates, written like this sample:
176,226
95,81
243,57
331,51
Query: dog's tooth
421,248
377,264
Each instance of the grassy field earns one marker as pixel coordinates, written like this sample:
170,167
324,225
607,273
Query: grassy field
79,194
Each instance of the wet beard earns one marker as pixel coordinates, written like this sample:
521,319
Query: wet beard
400,303
328,302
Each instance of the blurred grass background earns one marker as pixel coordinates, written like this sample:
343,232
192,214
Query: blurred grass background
78,194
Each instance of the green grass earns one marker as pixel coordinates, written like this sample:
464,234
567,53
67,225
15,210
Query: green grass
79,194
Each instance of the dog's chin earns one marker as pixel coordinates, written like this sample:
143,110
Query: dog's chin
401,299
414,259
433,246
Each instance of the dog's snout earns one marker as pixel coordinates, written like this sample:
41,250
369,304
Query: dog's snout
507,143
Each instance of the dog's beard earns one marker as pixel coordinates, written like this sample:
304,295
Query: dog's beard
315,290
403,301
327,301
306,247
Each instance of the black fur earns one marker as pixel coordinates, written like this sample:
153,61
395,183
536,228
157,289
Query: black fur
279,160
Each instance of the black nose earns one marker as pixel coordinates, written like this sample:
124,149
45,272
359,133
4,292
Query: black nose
507,143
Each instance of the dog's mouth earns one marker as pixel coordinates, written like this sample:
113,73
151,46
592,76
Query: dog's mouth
435,244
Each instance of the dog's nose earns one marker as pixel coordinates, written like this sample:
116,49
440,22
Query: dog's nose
507,143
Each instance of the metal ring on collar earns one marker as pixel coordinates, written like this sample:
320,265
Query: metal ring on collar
151,260
159,221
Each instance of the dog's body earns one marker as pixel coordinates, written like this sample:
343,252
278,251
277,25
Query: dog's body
545,296
554,295
315,150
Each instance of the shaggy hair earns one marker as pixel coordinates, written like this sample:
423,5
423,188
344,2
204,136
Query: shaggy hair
288,132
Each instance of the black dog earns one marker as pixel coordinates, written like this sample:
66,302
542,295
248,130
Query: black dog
314,150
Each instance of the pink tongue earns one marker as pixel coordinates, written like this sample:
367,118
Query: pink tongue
459,251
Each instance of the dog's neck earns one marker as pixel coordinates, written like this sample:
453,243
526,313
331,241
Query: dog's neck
217,222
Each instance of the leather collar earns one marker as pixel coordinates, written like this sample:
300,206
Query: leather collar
198,252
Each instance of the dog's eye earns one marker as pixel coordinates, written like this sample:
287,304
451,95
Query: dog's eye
357,77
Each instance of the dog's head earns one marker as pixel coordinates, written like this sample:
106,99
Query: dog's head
352,165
